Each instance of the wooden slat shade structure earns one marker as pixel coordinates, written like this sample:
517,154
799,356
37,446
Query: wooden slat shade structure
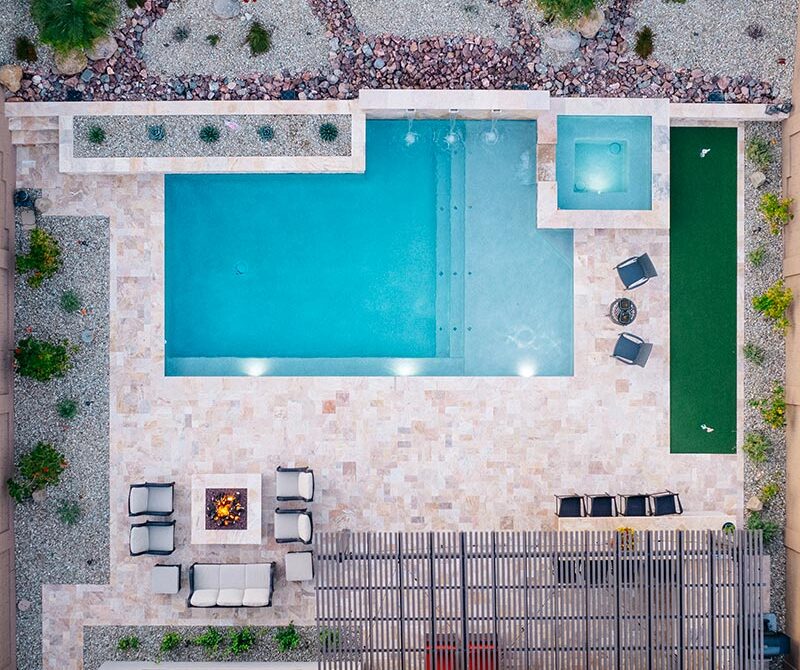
649,600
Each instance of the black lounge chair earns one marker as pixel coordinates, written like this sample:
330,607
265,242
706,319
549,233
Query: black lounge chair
570,506
636,504
602,504
636,270
152,538
151,499
666,503
632,350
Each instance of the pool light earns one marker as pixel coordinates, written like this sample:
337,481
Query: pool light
526,369
405,368
255,367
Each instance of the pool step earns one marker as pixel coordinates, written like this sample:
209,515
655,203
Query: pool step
546,162
33,123
34,137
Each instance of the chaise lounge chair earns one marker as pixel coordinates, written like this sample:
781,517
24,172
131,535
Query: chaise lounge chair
570,506
634,504
636,270
666,503
151,499
601,505
295,484
293,525
632,350
152,538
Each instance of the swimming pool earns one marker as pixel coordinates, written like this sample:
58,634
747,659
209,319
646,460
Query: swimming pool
429,263
604,162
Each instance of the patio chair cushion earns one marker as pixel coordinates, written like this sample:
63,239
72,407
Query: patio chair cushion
601,507
299,566
204,598
140,539
285,526
626,349
206,577
255,598
286,484
138,500
663,505
631,273
636,506
305,485
231,577
230,597
569,507
159,499
304,528
162,538
257,576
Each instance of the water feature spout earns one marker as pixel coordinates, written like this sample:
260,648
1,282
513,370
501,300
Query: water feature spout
410,136
452,136
491,136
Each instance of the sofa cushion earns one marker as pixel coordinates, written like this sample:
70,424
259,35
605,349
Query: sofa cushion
230,597
160,499
231,576
204,598
305,485
304,527
137,502
140,539
256,597
206,577
257,576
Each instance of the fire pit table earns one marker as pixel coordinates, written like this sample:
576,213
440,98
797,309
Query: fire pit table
226,509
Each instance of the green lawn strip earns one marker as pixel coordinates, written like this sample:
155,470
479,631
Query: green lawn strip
703,290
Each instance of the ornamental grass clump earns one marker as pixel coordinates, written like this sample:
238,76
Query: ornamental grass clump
67,408
287,637
757,256
241,641
209,134
773,304
753,353
328,132
769,529
565,11
25,49
39,468
96,135
69,512
170,642
180,33
70,301
759,152
210,640
769,492
644,43
776,211
756,447
42,360
773,407
43,259
68,25
259,39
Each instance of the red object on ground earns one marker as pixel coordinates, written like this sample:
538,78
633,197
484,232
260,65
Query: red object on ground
480,655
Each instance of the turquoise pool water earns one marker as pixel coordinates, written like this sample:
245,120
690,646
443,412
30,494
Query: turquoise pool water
429,263
604,162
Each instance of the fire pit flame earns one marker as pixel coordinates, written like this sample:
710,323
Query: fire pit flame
226,508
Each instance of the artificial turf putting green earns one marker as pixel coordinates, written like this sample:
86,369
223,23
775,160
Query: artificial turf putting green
702,290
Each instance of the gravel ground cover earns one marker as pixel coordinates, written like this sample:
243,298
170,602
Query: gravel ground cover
293,136
415,19
758,379
298,39
713,35
47,550
100,644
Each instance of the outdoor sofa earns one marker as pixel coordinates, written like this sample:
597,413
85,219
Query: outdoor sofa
231,585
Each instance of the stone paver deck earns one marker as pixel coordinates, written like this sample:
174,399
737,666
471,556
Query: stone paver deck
388,453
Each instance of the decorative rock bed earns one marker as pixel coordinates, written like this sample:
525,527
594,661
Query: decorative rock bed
49,551
293,135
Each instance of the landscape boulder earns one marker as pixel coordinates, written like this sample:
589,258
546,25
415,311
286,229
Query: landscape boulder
71,63
11,77
563,40
588,26
103,48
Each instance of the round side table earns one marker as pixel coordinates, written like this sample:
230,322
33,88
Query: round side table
622,311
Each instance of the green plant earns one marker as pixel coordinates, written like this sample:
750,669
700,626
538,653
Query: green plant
644,42
42,360
753,353
43,259
96,135
769,491
25,49
67,408
329,638
170,642
757,256
773,407
756,447
212,39
156,133
259,39
776,211
769,529
210,640
241,641
130,642
266,133
759,152
287,637
328,132
70,301
75,24
69,512
567,11
39,468
773,304
180,33
209,134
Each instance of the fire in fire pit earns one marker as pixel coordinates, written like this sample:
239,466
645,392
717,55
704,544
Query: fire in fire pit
226,509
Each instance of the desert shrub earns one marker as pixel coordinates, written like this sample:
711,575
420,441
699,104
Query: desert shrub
753,353
776,211
156,132
773,407
43,259
259,39
39,468
210,640
759,152
266,133
209,134
96,135
180,33
757,256
328,132
75,24
128,643
287,637
70,301
756,447
329,638
773,304
241,641
69,512
42,360
769,491
769,529
25,49
67,408
170,642
566,11
754,31
133,4
644,42
212,39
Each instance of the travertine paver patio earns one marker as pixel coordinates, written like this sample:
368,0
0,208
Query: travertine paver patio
389,453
